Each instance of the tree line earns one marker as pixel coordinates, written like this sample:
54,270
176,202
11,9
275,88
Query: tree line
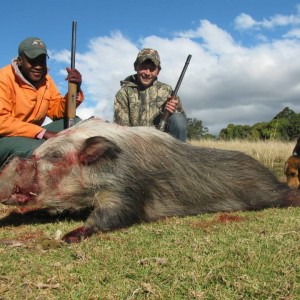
284,126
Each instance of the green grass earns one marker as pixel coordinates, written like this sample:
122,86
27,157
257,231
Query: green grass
243,255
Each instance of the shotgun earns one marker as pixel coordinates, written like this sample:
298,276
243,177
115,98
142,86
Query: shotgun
72,87
166,113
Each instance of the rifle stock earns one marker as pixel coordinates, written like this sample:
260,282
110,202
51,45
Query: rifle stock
72,87
166,113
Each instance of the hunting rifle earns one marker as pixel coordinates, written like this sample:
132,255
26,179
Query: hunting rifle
166,113
72,87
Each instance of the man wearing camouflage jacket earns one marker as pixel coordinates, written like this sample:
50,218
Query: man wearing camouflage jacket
142,98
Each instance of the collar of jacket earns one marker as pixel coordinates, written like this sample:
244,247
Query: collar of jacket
132,81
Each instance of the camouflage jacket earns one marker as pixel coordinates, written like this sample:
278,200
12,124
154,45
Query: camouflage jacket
137,106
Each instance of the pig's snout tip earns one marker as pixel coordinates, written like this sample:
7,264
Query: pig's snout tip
8,201
18,199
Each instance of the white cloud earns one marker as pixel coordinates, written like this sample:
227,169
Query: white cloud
245,21
214,38
294,33
225,82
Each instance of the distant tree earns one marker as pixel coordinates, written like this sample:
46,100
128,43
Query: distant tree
233,132
289,124
284,126
293,127
196,130
286,113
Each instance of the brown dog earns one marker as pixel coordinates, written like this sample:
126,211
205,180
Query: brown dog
292,171
292,168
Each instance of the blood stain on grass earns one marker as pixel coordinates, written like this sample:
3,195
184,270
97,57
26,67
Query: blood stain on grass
218,219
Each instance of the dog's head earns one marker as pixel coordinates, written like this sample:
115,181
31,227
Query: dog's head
292,171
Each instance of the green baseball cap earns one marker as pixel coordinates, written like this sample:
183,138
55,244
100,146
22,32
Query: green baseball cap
32,47
147,54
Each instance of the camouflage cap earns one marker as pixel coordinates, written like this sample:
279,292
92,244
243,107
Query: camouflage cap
145,54
32,47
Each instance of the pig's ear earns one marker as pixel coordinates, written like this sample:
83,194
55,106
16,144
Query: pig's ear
97,148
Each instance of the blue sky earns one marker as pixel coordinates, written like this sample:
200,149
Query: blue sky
245,65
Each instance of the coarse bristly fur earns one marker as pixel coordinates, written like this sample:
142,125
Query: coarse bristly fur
134,174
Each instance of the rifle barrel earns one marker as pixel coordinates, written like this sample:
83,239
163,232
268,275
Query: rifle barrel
73,46
182,75
72,87
166,113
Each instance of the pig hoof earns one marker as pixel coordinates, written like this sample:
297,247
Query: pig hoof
77,235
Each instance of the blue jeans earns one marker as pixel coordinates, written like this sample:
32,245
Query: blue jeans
177,126
11,146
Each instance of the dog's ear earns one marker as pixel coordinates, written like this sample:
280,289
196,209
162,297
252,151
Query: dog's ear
292,171
291,164
286,167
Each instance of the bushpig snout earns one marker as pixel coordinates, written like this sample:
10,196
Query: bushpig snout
18,185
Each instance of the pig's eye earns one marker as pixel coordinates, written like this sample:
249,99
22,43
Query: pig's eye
54,154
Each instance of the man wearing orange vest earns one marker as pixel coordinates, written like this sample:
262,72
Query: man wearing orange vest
27,96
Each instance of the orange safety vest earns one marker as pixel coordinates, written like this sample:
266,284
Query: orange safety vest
23,108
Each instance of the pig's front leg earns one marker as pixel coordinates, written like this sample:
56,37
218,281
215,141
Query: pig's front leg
78,234
115,213
110,213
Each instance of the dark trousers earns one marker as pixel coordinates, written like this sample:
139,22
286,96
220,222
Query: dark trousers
11,146
177,126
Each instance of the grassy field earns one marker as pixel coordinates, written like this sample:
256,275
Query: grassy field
241,255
